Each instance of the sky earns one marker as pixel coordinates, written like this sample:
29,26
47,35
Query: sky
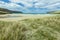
31,6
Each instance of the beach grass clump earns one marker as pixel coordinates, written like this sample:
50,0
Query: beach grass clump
46,28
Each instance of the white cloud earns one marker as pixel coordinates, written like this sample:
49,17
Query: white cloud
52,6
12,6
15,1
2,4
39,4
18,1
49,4
26,3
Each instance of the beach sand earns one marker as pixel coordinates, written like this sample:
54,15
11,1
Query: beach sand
16,17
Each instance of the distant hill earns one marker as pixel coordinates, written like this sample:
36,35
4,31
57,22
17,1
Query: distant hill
54,12
7,11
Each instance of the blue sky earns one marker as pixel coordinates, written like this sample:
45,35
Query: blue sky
31,6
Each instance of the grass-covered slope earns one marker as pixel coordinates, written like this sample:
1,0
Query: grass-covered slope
4,11
7,11
46,28
54,12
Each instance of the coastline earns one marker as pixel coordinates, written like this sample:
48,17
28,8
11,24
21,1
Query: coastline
16,17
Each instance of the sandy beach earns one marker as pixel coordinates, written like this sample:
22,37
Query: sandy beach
16,17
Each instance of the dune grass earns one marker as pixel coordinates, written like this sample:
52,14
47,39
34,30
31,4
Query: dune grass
46,28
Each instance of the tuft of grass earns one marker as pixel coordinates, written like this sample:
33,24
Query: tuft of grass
46,28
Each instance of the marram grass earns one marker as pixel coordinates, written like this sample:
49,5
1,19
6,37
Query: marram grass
47,28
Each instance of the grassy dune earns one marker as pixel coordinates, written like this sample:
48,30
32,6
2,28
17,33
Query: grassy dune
46,28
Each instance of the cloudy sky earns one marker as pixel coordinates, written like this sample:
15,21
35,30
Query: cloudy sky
31,6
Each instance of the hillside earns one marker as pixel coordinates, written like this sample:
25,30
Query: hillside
7,11
54,12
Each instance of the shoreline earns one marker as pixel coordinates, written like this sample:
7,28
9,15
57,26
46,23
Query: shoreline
16,17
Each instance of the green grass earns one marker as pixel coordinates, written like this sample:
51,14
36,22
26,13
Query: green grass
46,28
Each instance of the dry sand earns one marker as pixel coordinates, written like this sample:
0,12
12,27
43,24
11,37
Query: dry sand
16,17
